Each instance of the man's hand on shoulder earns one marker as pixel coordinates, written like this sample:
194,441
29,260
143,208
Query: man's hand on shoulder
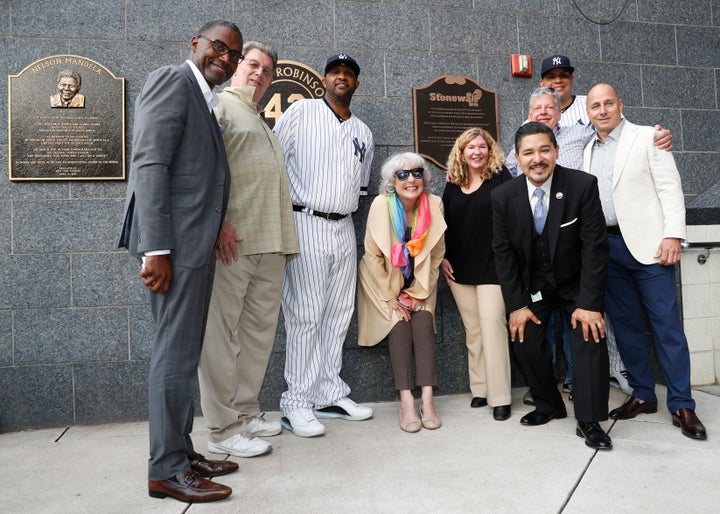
663,139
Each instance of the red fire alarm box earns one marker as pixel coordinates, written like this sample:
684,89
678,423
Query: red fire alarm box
521,65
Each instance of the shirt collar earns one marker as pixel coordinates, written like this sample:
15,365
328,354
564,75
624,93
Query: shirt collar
211,98
546,187
614,135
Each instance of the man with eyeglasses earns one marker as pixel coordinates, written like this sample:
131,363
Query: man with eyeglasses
176,200
256,239
328,153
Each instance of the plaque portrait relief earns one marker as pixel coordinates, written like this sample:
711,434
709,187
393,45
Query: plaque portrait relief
66,121
68,95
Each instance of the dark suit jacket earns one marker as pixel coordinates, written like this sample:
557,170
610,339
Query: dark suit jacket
179,176
576,231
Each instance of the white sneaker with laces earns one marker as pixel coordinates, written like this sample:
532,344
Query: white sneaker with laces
243,444
261,428
302,423
347,409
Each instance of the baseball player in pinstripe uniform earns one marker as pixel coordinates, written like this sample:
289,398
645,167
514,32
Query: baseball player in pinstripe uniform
328,153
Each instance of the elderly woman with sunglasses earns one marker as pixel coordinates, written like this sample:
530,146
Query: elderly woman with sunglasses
475,168
404,245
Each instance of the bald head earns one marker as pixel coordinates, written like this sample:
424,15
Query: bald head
604,108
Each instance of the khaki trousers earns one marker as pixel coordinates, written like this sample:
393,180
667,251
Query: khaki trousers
482,310
239,337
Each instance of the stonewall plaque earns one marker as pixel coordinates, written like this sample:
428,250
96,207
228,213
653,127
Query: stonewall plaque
66,121
293,81
445,108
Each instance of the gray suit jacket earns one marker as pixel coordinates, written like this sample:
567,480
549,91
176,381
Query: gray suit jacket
179,178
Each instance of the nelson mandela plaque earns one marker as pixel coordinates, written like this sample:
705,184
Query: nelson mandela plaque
445,108
66,121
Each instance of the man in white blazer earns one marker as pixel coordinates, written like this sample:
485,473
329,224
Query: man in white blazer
644,210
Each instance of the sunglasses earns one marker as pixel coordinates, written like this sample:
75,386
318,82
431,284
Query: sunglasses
404,174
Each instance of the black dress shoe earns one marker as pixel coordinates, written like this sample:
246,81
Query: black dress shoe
210,468
501,412
535,418
478,401
188,487
689,423
631,408
595,436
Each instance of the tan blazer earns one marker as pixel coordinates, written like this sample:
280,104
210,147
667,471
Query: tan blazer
380,281
647,192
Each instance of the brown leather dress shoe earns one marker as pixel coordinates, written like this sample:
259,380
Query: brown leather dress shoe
689,423
631,408
189,487
210,468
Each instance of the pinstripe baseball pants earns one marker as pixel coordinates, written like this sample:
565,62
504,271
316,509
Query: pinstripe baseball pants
317,301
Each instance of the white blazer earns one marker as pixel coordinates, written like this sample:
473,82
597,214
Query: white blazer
647,192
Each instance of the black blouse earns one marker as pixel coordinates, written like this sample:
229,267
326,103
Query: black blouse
468,239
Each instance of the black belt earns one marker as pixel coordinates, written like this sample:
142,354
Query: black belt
332,216
613,230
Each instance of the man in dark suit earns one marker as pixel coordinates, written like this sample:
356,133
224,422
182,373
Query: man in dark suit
176,199
551,251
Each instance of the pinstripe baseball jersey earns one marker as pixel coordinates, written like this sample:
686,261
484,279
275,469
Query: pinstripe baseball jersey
328,161
575,113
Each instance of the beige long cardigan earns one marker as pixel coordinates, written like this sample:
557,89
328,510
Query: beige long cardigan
380,281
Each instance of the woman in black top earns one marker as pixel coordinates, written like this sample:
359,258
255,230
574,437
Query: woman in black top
475,168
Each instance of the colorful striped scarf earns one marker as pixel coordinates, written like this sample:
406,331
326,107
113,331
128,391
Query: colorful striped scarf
403,250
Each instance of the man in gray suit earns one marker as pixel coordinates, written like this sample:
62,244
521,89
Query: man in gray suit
176,199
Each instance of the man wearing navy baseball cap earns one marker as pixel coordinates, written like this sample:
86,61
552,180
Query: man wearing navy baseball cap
557,73
342,60
328,154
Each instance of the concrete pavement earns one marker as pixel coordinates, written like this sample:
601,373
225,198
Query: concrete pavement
472,464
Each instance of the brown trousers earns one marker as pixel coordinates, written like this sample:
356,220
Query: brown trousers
410,341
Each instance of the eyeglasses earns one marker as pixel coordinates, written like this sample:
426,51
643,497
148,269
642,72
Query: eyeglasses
404,174
222,49
254,66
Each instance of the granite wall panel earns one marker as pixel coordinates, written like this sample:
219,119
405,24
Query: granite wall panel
6,341
107,279
698,46
172,20
697,170
481,32
5,227
67,225
599,11
34,281
700,130
567,36
142,332
687,12
36,397
110,392
70,335
641,43
688,88
48,19
377,26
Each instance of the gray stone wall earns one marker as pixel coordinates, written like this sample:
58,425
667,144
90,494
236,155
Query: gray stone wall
75,329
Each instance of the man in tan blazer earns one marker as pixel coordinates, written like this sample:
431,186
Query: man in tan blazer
644,210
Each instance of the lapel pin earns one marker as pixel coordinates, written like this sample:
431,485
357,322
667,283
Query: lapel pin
558,196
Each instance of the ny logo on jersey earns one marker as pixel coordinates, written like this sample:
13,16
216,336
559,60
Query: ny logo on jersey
359,150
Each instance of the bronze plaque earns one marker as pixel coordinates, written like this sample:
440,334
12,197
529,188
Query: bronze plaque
293,81
66,121
447,107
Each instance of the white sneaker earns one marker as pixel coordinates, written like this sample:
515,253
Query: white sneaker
243,444
261,428
347,409
302,423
